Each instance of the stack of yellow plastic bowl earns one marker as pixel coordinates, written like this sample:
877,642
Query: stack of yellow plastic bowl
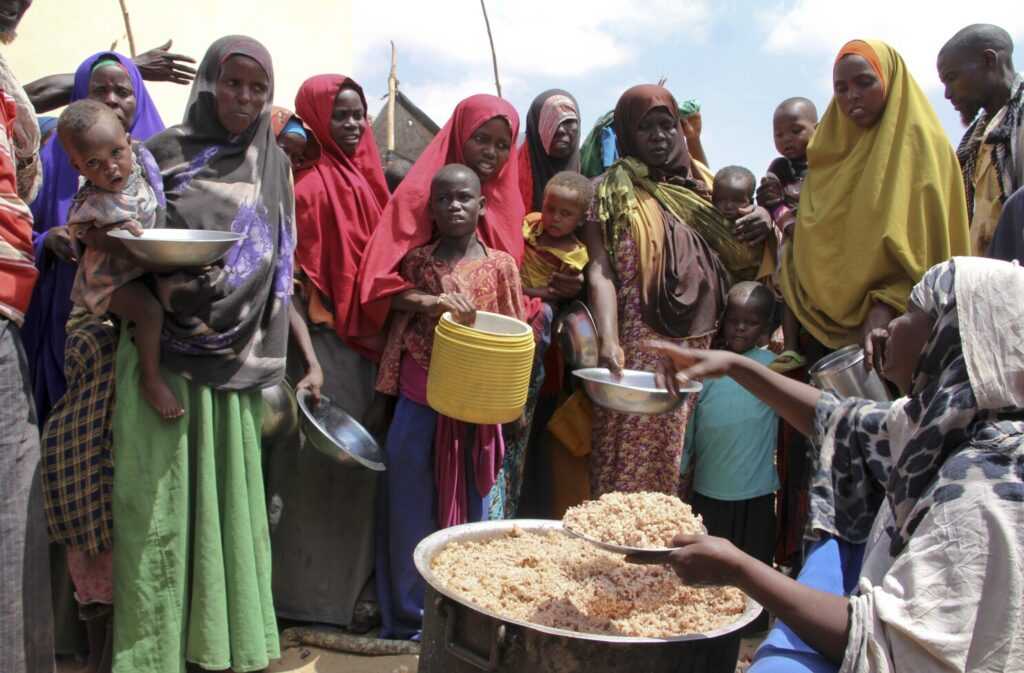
480,374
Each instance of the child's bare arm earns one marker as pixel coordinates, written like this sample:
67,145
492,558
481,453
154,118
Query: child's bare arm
314,378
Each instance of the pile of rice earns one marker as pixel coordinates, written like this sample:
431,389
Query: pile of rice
554,580
646,520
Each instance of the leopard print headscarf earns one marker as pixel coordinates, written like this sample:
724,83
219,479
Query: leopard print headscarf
917,451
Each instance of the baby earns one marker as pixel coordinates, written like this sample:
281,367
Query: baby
793,124
732,193
123,189
294,139
552,246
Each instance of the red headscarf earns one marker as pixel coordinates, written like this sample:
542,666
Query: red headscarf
338,202
406,222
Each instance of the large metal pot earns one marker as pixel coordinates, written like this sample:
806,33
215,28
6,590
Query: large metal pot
460,637
843,373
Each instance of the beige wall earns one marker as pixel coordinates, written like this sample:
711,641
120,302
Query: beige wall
56,35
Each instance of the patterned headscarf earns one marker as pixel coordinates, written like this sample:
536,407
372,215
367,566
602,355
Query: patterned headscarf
236,338
917,451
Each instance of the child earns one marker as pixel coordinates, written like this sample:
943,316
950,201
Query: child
434,480
551,243
732,192
122,188
731,438
294,139
793,123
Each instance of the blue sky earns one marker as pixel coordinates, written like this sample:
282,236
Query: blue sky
739,58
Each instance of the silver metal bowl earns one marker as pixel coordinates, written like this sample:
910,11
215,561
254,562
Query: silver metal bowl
280,414
178,248
634,392
577,335
337,435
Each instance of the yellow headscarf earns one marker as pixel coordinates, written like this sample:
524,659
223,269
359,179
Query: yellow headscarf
879,207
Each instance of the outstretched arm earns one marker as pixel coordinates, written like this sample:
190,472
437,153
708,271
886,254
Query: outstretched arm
794,401
156,65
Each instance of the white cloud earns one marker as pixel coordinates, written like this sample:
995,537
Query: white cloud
532,37
917,29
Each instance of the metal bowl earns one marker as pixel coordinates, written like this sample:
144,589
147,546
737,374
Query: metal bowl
634,392
337,435
178,248
577,335
280,414
431,546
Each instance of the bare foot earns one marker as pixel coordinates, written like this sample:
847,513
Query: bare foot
161,398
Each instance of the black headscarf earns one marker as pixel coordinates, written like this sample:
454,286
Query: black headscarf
536,167
235,337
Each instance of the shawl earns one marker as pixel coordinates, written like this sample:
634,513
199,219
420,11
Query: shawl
962,419
51,300
1002,138
536,167
599,150
1008,239
236,337
405,223
338,203
879,207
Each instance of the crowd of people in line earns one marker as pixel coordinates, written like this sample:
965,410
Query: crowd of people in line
903,520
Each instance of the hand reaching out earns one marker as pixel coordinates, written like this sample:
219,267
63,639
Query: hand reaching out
160,65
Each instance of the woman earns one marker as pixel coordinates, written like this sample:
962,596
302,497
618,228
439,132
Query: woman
192,559
480,134
552,144
882,202
323,543
652,272
933,483
112,79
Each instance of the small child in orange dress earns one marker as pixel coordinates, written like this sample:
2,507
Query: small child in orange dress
122,189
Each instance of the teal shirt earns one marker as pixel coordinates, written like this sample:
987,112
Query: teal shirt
732,435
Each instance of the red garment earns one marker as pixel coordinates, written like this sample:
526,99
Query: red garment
17,270
338,203
406,222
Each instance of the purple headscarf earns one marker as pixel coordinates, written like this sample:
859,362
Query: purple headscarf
50,306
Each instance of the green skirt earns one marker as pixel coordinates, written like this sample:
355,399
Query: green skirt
191,542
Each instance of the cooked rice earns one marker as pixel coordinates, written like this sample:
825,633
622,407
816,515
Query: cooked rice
551,579
646,520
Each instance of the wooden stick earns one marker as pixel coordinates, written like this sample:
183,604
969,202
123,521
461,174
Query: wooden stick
392,92
128,27
494,55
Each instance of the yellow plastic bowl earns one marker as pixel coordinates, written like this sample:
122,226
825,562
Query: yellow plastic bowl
480,374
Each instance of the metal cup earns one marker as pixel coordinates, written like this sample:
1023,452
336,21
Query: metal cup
843,373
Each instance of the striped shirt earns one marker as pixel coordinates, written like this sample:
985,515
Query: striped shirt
17,269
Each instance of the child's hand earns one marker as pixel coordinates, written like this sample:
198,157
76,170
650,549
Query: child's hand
566,285
769,192
313,381
132,227
460,306
58,242
612,356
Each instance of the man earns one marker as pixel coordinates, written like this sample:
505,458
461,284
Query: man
976,67
26,625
